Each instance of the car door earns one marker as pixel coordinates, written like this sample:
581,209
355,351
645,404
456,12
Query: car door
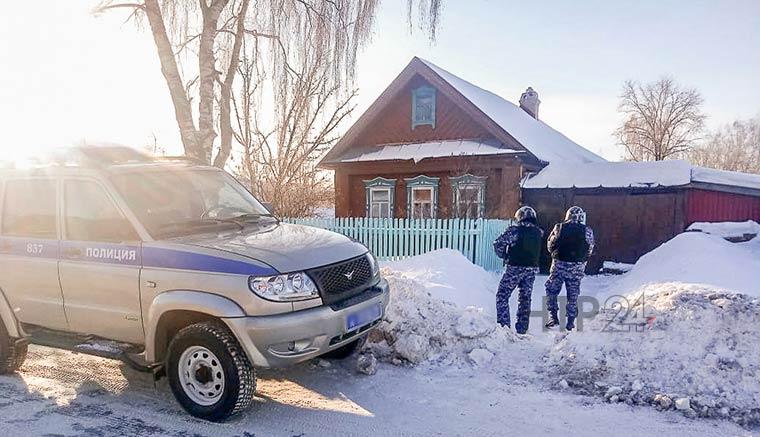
100,264
29,247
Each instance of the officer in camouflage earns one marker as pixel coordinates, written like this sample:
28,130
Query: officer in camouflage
519,246
570,245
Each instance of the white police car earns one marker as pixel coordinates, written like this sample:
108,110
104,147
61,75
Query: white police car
175,268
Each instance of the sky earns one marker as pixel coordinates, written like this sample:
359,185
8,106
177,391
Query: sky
67,75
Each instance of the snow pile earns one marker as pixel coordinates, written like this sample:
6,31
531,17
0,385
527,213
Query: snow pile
728,230
689,347
616,267
433,315
698,258
450,276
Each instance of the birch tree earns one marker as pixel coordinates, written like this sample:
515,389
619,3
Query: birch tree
661,120
199,45
280,150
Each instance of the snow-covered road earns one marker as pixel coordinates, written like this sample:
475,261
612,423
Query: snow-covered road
61,393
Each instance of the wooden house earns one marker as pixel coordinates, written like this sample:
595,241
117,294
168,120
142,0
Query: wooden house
436,146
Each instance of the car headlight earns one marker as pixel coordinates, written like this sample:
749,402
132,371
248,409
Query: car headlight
284,288
374,266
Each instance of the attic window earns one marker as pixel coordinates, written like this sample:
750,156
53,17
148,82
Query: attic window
423,106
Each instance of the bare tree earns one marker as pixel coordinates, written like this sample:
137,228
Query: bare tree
203,39
734,147
280,153
662,120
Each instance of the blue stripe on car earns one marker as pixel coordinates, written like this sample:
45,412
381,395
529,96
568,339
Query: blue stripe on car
108,253
123,254
179,259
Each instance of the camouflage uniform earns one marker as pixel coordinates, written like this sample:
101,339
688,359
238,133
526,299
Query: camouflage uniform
518,276
569,273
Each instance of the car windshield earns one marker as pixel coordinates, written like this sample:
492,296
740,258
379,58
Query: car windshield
187,201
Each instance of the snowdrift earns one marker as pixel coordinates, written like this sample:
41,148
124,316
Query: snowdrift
698,258
451,277
699,353
727,230
686,335
435,313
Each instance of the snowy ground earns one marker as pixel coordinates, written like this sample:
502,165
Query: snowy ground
446,369
60,393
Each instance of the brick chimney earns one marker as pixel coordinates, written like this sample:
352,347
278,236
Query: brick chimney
529,102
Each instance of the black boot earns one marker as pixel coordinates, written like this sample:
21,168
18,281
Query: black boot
553,320
570,324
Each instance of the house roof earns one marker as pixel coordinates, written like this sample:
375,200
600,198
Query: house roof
541,140
505,120
418,151
655,174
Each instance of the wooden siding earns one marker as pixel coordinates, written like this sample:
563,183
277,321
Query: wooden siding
627,223
393,124
715,206
502,185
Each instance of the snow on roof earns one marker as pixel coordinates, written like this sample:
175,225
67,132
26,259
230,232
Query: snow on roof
420,151
671,173
612,175
722,177
538,137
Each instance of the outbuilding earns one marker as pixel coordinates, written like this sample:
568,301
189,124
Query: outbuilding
634,207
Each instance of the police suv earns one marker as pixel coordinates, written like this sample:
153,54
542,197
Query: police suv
175,268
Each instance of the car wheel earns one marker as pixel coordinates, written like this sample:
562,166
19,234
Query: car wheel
209,373
12,354
346,350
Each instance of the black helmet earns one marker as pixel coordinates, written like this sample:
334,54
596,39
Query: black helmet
576,214
525,213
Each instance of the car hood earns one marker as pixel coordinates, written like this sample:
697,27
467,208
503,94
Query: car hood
286,247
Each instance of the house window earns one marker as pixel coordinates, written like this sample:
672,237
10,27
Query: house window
422,197
423,106
468,192
380,194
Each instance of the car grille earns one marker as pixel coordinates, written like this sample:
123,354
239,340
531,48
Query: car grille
343,280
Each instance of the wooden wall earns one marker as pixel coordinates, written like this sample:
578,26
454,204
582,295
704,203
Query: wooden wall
716,206
394,123
627,223
502,185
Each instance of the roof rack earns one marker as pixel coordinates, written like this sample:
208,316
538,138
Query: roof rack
82,156
181,158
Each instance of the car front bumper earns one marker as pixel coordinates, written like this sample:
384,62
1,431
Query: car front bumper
285,339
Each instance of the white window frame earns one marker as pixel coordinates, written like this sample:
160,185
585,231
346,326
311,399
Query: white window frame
423,205
379,184
426,183
387,203
467,182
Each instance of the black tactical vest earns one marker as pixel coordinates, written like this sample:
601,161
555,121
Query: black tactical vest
526,251
571,244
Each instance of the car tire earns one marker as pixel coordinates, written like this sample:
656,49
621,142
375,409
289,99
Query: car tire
346,350
12,353
209,373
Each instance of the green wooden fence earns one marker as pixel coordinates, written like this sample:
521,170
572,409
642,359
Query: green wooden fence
394,239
